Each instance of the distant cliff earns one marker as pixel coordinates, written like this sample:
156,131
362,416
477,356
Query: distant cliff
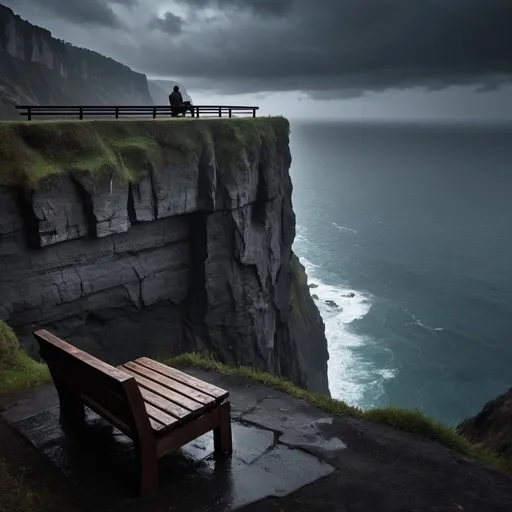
35,68
157,237
492,427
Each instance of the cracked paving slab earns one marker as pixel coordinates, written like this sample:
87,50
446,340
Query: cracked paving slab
276,440
265,462
299,429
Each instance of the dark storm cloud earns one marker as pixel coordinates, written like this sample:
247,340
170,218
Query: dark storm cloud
85,11
339,47
327,48
273,7
168,23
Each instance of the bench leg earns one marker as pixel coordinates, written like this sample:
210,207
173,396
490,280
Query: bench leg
222,440
72,412
148,469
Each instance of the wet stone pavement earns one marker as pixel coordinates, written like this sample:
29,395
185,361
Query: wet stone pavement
277,450
288,457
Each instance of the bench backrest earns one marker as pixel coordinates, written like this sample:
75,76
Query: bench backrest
105,389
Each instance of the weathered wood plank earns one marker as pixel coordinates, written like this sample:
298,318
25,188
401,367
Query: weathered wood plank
178,399
164,421
165,405
47,337
193,382
183,389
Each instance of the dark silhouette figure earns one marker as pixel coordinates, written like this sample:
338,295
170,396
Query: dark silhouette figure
176,101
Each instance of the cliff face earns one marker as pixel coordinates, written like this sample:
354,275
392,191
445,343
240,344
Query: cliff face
152,238
35,68
492,427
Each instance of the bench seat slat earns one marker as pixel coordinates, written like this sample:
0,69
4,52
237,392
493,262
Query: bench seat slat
162,403
170,383
163,421
211,390
170,395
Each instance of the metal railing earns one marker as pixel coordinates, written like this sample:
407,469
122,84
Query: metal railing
81,112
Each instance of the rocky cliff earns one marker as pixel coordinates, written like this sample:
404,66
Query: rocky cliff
144,237
35,68
492,427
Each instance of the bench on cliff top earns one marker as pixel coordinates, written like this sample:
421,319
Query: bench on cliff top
158,407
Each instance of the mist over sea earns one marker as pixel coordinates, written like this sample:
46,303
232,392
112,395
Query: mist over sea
416,220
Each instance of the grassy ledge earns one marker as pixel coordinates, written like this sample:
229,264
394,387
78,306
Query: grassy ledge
414,422
35,150
17,370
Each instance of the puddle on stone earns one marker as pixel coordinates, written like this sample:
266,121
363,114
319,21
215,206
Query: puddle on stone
192,478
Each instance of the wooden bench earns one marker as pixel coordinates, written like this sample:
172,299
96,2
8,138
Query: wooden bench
158,407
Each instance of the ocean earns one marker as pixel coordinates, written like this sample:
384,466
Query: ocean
416,221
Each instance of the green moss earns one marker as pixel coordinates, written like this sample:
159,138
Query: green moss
32,151
413,422
18,370
8,346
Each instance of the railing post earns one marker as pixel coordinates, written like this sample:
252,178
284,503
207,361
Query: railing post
81,113
230,112
220,111
29,114
117,112
197,111
253,112
154,113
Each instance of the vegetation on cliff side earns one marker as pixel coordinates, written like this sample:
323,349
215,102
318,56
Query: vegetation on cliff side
32,151
17,369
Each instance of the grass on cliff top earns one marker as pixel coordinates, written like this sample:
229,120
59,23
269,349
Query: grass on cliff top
17,369
414,422
33,150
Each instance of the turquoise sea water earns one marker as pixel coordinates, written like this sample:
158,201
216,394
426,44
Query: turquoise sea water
416,220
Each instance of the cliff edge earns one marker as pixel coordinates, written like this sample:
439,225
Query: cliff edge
157,237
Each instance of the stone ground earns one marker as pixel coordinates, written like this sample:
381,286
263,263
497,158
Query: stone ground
288,456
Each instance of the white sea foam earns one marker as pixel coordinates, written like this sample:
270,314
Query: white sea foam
349,377
419,323
344,228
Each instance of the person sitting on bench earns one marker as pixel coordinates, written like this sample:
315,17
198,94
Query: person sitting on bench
176,101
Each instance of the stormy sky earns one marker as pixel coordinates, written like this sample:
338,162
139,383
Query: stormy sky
326,58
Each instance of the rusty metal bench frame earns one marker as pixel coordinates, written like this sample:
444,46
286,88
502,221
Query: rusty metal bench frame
138,406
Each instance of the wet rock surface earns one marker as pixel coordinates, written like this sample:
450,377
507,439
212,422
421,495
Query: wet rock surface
289,456
196,255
